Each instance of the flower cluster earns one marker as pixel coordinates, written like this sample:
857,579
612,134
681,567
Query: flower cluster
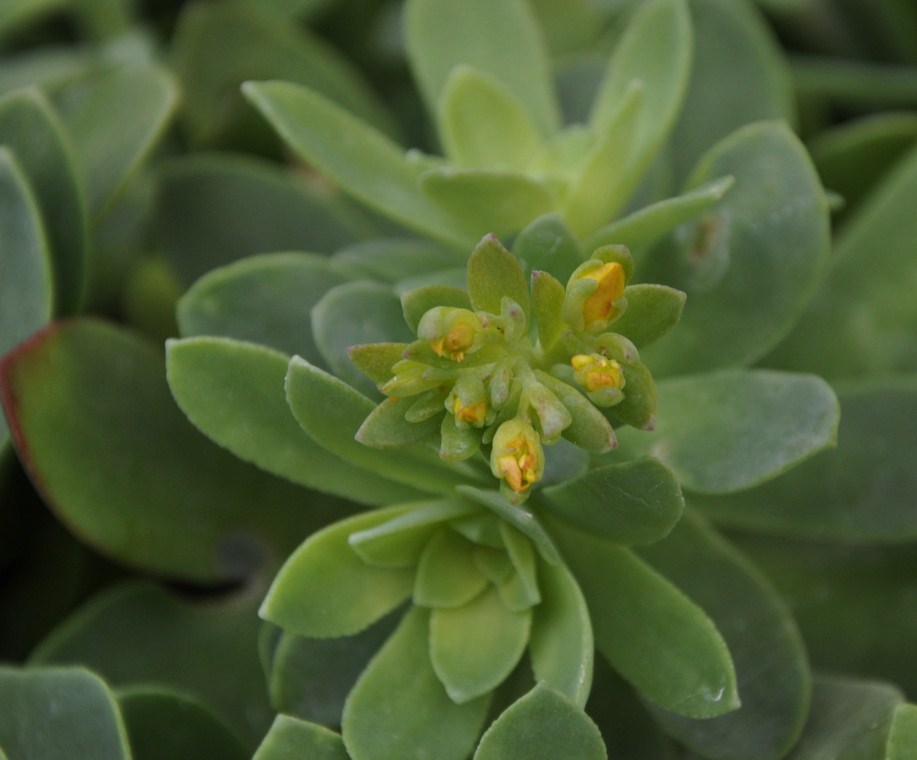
512,366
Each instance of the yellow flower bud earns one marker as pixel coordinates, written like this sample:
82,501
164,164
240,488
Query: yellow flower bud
473,414
594,371
517,455
450,332
599,307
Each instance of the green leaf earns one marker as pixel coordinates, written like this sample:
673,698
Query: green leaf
548,245
493,272
115,465
352,314
447,575
482,123
855,493
638,408
752,263
758,628
400,541
263,47
849,720
206,651
739,75
630,503
58,714
32,131
488,200
473,648
389,715
542,725
325,589
547,306
522,554
263,299
517,516
361,160
233,393
590,428
650,632
656,49
386,427
415,303
165,723
730,430
902,737
561,644
503,42
652,310
290,737
865,303
311,678
648,224
375,360
397,259
332,412
108,151
206,204
18,13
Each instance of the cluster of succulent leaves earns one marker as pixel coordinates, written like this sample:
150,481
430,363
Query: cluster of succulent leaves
704,561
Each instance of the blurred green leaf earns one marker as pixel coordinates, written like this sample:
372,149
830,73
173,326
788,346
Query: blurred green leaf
561,644
866,303
858,492
204,651
734,429
394,259
264,299
15,14
31,129
58,714
324,589
364,162
752,263
264,46
331,412
902,737
767,649
128,473
542,725
502,41
290,737
165,723
416,303
233,393
388,715
212,209
109,150
547,244
651,633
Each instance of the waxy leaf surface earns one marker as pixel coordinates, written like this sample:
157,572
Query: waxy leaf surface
290,737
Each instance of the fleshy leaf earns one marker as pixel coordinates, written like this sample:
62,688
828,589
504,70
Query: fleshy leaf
233,393
361,160
108,151
473,648
111,463
758,628
517,516
542,725
734,429
652,310
494,273
650,632
416,303
331,412
547,244
902,737
589,429
630,503
31,129
58,714
387,715
487,200
386,427
163,722
446,574
375,360
648,224
291,737
752,262
325,589
502,41
206,205
264,299
547,306
352,314
482,124
855,493
522,554
396,259
561,644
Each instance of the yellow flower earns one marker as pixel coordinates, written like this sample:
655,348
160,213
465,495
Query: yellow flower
599,307
473,414
517,455
450,332
594,372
